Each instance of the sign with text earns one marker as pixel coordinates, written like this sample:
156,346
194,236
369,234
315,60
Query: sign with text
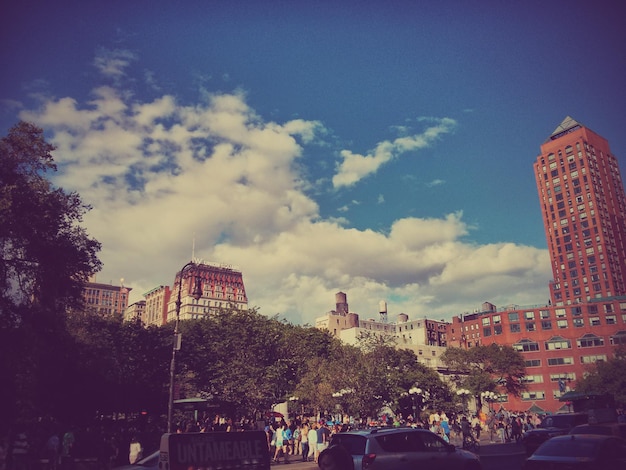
214,451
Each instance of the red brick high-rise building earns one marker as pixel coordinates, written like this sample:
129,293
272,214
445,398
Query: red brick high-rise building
584,212
584,215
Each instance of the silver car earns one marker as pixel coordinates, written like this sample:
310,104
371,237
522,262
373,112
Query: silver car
403,449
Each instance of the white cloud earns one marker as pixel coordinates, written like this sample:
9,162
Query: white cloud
161,173
355,167
435,182
113,63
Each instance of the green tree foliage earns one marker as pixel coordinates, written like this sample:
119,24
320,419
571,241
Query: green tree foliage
246,361
487,368
607,377
371,378
45,256
123,367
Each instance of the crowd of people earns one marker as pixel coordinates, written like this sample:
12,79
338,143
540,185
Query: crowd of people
106,445
300,439
50,445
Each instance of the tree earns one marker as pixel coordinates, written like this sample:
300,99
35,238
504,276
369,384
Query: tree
45,257
486,368
607,377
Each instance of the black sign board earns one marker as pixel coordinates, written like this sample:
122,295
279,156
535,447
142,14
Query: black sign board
215,451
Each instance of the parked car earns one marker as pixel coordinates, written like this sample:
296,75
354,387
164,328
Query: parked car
403,449
151,462
551,426
578,452
606,429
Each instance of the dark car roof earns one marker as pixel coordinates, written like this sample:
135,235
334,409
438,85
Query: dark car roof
573,445
565,420
355,441
607,429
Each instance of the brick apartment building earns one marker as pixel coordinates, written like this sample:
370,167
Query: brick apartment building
106,299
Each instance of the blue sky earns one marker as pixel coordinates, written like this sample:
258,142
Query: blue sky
382,149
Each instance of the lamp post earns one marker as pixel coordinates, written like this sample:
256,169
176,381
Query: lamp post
463,393
294,399
417,398
176,340
340,403
489,397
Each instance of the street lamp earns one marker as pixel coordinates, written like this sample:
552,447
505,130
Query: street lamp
176,341
463,393
339,395
294,399
418,395
489,397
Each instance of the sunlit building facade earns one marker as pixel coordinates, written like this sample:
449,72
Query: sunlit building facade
584,212
106,299
221,287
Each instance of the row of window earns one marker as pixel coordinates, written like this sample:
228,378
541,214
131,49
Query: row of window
546,325
567,361
557,342
536,395
538,379
575,311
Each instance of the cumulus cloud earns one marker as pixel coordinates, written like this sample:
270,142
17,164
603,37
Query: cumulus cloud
161,174
355,167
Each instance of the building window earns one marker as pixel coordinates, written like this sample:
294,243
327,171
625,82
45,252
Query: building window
610,319
593,359
486,321
529,315
576,311
515,328
533,363
532,379
487,331
531,326
546,324
557,342
544,314
560,361
567,376
559,312
497,319
618,338
562,324
592,310
526,345
538,395
589,341
497,329
513,317
579,322
594,321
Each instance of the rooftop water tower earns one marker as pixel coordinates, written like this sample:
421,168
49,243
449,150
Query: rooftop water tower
382,309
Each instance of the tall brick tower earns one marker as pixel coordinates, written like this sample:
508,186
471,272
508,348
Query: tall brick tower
584,214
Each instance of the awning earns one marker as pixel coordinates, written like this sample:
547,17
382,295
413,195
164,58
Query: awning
192,404
574,395
535,409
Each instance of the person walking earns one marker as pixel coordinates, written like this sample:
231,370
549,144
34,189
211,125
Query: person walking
313,442
135,451
304,442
